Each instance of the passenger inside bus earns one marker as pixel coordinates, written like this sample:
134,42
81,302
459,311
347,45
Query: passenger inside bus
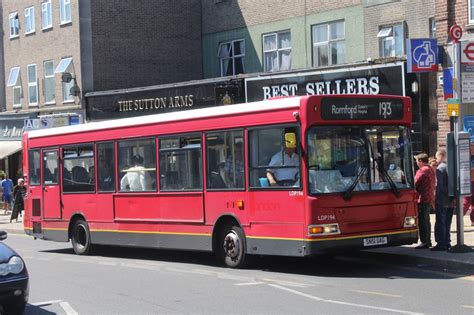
234,167
135,178
284,165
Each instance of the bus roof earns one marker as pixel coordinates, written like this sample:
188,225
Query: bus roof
280,103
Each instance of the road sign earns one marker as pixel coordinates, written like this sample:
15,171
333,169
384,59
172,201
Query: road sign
468,124
422,55
455,32
467,52
453,107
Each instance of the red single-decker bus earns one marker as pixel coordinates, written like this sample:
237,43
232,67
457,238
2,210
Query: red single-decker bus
292,176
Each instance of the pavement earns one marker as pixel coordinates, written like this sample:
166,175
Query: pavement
448,260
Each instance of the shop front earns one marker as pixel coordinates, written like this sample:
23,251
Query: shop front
12,127
388,78
150,100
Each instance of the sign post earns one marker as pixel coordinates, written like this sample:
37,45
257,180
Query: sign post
458,143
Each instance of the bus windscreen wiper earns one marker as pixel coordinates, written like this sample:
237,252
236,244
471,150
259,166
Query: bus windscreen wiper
348,193
389,179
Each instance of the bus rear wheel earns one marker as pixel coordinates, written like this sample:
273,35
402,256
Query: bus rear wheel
232,247
81,237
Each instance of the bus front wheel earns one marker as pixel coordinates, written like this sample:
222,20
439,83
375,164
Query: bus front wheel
233,248
81,238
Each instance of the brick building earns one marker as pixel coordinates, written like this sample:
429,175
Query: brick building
54,51
449,13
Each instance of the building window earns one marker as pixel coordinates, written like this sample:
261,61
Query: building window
29,20
329,46
49,85
65,11
391,40
66,65
231,56
471,11
32,85
14,24
46,15
277,51
432,28
14,82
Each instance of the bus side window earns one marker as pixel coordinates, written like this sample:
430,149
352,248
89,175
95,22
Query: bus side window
270,153
106,169
225,160
181,163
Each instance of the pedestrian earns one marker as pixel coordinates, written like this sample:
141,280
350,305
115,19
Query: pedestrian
7,187
433,163
19,193
468,205
443,204
425,186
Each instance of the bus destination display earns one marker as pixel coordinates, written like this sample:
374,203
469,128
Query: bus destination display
361,109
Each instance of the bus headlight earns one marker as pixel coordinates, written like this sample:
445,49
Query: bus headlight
324,229
409,222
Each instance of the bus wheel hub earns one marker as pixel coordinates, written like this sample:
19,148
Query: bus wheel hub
232,244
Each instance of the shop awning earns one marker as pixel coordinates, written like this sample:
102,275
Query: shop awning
7,148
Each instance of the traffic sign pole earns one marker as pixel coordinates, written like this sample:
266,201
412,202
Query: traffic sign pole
455,33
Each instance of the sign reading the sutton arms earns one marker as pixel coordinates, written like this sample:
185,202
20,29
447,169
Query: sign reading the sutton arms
162,99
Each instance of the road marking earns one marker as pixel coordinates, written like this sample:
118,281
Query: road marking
289,283
249,283
46,303
377,293
341,302
468,306
68,309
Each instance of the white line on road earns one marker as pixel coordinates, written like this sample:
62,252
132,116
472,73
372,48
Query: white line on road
249,283
289,283
39,304
467,306
377,293
68,309
340,302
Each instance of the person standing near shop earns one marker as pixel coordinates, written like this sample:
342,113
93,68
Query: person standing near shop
7,186
19,193
425,186
443,204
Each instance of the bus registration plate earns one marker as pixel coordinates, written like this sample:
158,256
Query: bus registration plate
375,241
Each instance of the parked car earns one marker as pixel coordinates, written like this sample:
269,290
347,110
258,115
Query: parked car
14,285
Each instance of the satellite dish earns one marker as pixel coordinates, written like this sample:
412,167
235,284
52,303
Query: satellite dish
66,77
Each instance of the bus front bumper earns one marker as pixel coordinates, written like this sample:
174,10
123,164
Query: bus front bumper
340,243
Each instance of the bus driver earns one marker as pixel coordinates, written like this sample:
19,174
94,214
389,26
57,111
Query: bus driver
287,157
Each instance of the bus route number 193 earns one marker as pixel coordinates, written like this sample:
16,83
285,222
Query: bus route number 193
385,109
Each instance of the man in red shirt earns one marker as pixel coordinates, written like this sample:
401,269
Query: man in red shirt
425,186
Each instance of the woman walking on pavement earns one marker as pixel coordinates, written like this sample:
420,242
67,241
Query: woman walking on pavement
18,195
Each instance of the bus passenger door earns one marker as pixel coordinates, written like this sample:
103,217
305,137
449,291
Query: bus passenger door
50,185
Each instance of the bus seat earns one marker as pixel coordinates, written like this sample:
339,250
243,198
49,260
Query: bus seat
216,180
80,175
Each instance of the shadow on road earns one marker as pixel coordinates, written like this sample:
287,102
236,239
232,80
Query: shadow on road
347,265
36,310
